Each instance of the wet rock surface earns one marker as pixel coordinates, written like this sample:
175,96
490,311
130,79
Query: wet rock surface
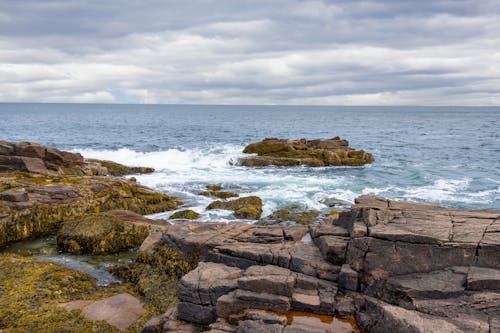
33,204
245,208
101,233
315,153
395,266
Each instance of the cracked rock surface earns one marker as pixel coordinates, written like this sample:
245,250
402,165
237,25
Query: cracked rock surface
394,266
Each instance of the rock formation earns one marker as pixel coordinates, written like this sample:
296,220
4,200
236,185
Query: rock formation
282,152
41,187
394,266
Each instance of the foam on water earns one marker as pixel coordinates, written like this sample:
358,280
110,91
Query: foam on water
186,172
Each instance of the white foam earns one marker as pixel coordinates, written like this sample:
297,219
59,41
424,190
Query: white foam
186,172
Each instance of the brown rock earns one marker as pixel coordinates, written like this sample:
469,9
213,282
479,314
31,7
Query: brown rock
280,152
120,311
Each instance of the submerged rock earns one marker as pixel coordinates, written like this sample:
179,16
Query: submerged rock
215,190
245,208
187,214
282,152
219,194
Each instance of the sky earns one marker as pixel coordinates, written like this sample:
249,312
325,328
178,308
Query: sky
389,52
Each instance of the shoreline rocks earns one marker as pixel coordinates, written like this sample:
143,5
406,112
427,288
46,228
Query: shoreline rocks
99,234
394,266
41,187
314,153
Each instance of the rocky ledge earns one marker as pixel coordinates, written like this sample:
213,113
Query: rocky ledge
393,266
40,187
283,152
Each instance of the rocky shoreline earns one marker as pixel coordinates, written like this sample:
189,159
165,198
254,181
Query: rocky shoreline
379,266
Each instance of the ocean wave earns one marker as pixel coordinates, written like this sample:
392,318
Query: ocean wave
186,172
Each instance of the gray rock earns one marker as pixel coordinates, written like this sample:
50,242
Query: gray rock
348,278
480,278
195,313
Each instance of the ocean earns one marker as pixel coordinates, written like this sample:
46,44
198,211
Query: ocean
444,155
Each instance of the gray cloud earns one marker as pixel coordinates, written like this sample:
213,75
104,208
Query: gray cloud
444,52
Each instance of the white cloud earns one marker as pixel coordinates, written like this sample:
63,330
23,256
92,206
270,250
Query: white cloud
284,52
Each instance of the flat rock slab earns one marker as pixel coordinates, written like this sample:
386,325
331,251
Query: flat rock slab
120,311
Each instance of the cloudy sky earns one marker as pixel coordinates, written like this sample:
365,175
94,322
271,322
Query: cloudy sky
391,52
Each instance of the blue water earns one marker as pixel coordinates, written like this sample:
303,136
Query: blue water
446,155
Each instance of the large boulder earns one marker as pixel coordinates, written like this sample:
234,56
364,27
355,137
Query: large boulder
99,234
283,152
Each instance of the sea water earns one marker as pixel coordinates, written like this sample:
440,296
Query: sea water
444,155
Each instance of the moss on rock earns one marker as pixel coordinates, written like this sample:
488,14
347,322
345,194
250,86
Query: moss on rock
117,169
187,214
156,274
293,213
31,290
53,199
314,153
245,208
99,234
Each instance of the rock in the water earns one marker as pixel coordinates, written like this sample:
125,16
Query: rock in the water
293,214
117,169
282,152
100,233
245,208
187,214
219,194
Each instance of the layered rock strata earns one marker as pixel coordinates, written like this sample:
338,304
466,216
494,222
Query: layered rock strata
41,187
395,266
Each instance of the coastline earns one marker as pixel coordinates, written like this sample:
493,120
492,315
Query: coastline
400,261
